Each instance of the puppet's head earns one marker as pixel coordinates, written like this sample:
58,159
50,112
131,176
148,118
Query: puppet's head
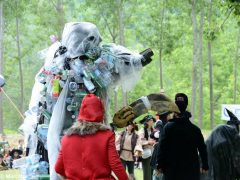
79,38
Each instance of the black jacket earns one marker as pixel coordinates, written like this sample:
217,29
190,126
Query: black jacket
178,150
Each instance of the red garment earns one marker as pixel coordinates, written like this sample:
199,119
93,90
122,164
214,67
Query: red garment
90,157
91,109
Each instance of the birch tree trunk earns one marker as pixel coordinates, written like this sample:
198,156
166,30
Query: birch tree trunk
200,115
235,66
194,65
1,64
121,38
210,71
19,63
161,46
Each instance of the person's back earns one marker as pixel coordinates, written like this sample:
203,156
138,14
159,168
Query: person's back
223,147
179,146
88,149
90,154
184,140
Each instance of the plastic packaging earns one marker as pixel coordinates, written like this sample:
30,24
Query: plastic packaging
55,129
33,170
79,38
42,131
124,65
89,85
56,87
90,68
32,159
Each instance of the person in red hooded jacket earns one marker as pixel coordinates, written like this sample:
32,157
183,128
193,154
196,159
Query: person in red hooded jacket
88,149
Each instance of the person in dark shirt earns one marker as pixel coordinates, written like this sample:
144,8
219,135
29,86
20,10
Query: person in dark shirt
179,145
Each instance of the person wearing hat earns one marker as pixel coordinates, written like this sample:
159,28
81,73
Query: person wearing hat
180,144
129,146
15,154
233,121
161,120
88,149
156,135
223,147
147,144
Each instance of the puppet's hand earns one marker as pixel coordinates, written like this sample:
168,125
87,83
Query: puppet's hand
147,54
123,116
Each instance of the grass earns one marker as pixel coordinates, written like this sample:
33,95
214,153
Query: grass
10,131
138,174
16,174
10,175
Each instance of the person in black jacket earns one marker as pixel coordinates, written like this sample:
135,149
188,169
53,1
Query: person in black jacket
179,145
156,135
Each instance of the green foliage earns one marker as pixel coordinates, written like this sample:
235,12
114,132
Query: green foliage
142,22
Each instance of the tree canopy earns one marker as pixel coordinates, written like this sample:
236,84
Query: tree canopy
165,26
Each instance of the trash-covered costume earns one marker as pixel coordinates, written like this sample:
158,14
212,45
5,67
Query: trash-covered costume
74,67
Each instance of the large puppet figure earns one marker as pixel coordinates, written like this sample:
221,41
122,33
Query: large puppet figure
223,147
75,66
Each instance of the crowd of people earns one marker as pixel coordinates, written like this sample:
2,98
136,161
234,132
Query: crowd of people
9,154
169,146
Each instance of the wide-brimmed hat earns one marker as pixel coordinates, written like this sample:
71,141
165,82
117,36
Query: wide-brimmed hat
15,150
162,113
135,126
147,118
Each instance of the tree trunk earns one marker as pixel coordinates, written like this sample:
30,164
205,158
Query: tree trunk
210,71
200,115
121,23
61,20
20,66
161,47
58,5
1,64
235,66
194,67
121,38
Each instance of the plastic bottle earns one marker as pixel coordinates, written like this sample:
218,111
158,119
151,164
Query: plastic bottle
89,85
56,86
